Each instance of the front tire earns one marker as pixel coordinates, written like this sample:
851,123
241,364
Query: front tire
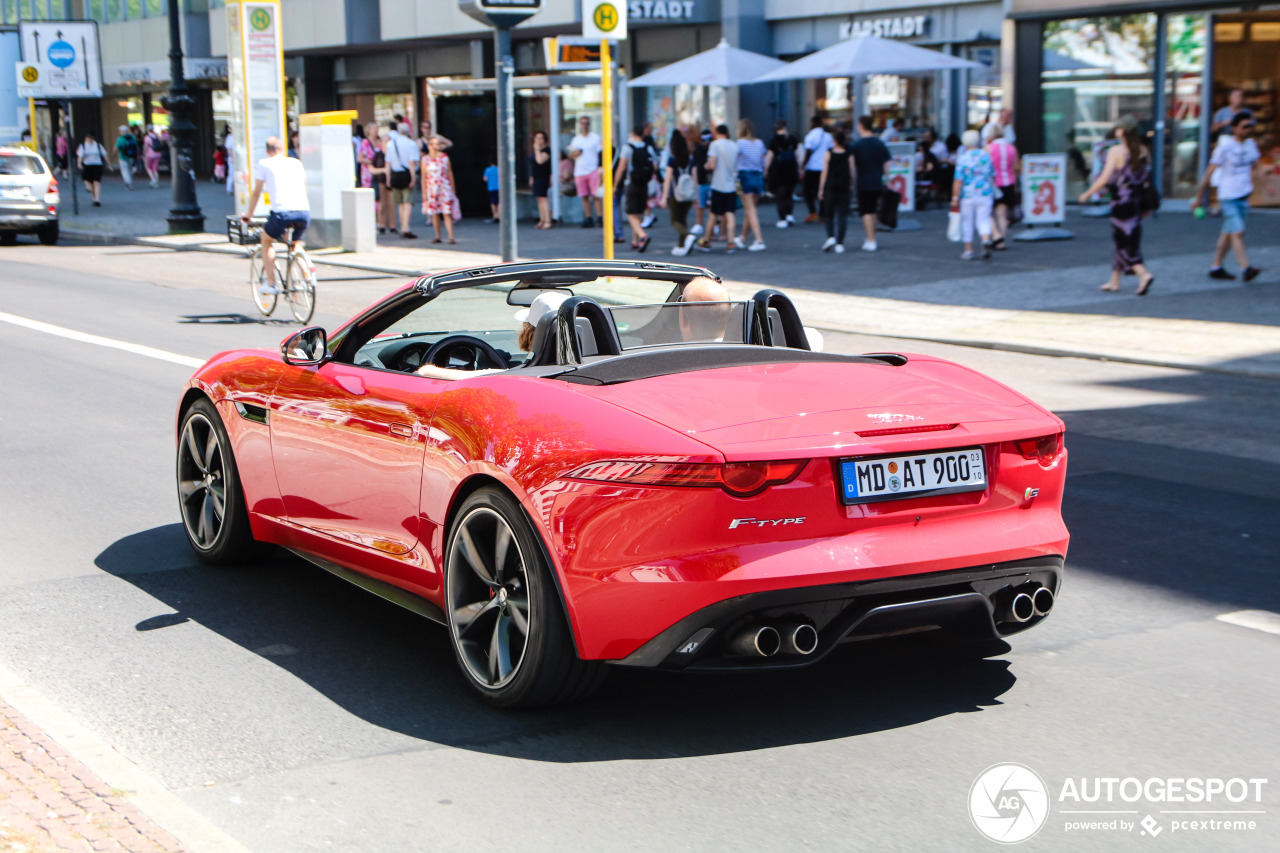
266,302
301,293
211,501
508,630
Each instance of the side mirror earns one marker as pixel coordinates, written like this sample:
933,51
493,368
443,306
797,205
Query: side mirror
309,346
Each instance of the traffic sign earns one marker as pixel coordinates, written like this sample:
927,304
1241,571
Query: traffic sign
28,76
65,59
604,19
500,13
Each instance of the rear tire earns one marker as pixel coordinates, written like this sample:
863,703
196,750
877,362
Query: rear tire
8,238
210,499
506,624
48,234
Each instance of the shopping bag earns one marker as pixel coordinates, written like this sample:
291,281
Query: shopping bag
953,226
889,201
456,209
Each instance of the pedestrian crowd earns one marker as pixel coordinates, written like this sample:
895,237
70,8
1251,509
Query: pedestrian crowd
712,183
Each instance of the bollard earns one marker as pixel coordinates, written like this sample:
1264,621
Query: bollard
359,226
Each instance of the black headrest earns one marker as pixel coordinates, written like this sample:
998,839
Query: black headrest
556,338
765,302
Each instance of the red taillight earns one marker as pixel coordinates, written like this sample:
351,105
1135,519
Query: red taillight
53,185
740,479
1045,448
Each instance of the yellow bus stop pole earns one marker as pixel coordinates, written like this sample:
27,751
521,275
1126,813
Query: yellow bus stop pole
31,119
606,156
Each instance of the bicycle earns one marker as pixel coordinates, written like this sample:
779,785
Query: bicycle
295,279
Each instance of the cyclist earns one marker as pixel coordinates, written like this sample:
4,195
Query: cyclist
285,182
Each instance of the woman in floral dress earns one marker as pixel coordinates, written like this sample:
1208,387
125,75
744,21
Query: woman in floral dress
437,187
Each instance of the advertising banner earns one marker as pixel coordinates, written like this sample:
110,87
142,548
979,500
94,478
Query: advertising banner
255,73
1044,188
902,174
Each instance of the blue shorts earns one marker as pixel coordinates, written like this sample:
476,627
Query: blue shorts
493,196
704,195
279,220
752,182
1234,212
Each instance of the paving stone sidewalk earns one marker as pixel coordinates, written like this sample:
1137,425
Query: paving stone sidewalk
51,802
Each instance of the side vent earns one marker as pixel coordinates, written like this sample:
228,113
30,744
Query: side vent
250,412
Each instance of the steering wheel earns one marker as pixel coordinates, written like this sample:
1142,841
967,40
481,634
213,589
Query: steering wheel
477,354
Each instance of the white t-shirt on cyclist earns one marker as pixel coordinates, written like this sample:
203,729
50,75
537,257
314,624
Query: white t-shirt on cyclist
285,182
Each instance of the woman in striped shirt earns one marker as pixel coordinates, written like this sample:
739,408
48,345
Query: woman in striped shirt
751,153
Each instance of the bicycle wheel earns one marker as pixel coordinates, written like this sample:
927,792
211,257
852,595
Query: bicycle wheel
301,293
266,302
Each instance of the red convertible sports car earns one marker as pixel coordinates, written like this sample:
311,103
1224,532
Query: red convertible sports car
636,471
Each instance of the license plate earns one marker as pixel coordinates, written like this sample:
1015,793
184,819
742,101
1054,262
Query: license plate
15,192
886,478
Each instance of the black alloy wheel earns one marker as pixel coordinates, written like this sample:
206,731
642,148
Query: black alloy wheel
506,623
213,511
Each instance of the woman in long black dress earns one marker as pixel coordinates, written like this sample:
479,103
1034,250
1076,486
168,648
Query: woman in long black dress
1126,170
540,178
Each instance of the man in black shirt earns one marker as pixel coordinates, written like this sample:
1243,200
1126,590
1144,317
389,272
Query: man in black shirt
782,168
870,164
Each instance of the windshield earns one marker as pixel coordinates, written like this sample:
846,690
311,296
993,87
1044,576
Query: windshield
679,323
20,164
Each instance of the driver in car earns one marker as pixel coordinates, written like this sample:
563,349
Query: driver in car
544,304
705,323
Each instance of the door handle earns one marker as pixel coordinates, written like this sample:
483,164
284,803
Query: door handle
402,430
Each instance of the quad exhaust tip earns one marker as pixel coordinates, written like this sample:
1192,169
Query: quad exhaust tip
799,639
758,641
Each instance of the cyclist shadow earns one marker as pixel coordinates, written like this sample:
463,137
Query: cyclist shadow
234,320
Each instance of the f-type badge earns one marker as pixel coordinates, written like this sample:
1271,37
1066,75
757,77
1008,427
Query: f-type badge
765,522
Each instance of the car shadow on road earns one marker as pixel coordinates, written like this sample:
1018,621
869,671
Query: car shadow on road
396,670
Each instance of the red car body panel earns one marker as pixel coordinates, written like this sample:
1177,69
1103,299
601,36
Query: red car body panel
361,467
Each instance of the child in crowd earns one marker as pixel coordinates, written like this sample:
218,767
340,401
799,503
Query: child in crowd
219,165
491,180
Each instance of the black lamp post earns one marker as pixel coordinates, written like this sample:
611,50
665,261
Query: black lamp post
185,216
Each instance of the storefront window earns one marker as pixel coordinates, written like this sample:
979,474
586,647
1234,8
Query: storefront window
1097,72
1245,49
986,99
1183,94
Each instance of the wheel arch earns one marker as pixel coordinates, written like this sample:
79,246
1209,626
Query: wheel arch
480,480
189,399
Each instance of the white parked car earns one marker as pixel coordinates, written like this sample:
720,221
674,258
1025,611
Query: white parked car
28,197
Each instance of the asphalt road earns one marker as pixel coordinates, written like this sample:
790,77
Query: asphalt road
297,714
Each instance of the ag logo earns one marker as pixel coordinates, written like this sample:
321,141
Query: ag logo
605,17
31,74
260,19
1009,803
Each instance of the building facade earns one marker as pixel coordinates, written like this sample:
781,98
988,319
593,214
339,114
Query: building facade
1163,65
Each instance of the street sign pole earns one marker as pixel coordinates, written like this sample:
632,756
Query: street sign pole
505,68
502,15
606,20
71,158
606,156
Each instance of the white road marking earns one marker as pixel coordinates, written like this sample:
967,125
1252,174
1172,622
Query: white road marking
97,340
1258,620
